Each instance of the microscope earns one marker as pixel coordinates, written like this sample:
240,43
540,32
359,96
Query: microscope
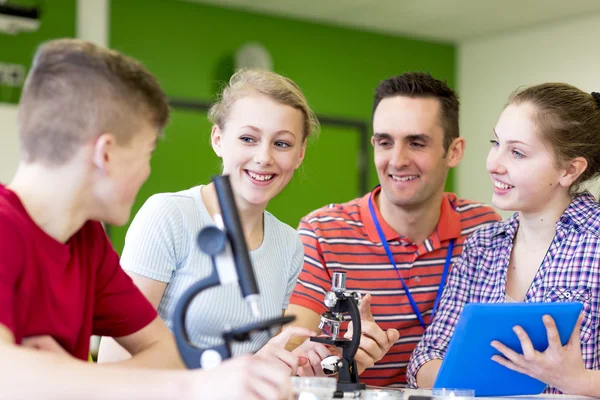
225,244
340,301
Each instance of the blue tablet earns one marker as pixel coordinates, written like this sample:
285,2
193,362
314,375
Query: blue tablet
468,362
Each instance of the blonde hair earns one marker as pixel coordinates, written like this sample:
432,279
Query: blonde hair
279,88
77,90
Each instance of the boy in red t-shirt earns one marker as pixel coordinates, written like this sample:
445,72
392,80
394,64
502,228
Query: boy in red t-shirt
89,120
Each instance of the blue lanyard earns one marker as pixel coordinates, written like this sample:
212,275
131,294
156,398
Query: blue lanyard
412,301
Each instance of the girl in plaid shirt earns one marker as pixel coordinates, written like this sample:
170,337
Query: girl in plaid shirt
545,145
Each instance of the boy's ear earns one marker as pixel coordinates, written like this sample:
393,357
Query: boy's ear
102,152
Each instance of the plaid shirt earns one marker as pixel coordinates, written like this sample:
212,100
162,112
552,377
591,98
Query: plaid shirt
570,271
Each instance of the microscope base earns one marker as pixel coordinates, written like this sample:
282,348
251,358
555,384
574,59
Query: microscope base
348,388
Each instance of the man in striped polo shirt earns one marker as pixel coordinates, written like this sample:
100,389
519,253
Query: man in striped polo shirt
395,243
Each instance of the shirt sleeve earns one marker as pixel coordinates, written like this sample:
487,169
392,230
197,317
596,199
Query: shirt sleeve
120,308
314,280
297,261
12,248
434,343
154,240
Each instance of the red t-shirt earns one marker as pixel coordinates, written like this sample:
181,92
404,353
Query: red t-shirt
68,291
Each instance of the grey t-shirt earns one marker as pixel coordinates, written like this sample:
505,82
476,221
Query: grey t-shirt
161,245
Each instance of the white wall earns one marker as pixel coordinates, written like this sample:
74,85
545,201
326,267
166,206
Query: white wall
9,142
92,21
489,69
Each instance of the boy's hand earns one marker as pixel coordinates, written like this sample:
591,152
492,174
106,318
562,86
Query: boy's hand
245,377
275,352
314,353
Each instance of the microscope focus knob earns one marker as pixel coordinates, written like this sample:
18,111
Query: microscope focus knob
357,298
330,299
212,240
210,359
331,365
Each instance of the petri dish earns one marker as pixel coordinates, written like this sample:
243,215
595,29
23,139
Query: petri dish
313,388
453,393
382,394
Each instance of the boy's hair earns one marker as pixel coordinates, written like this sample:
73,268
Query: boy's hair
277,87
422,85
568,120
77,90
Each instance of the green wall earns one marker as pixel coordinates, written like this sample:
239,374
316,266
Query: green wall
58,19
190,48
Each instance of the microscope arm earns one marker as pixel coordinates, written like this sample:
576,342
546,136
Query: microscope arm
350,351
191,354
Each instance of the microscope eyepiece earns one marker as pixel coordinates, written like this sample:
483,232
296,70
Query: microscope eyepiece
338,282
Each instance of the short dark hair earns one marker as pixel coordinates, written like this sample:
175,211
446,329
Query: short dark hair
423,85
77,90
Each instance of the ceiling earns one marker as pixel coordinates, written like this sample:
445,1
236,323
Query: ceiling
439,20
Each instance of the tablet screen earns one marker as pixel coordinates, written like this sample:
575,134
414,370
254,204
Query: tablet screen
468,362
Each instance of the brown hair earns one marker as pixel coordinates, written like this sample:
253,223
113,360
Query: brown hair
77,90
568,120
422,85
277,87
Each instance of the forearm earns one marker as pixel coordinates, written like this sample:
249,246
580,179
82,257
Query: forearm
162,355
589,384
110,351
425,362
152,347
305,318
26,374
294,343
427,373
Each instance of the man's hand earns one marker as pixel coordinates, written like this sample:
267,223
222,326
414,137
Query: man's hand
374,341
275,350
559,366
44,343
